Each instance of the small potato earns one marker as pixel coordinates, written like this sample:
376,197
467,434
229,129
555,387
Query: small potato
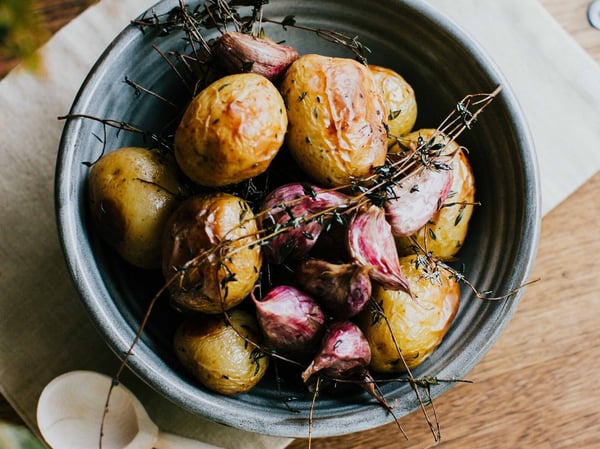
337,119
400,100
231,131
418,324
132,191
445,233
207,247
217,356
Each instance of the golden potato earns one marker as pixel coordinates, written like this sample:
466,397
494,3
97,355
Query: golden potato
217,356
231,131
400,100
132,191
418,324
445,233
207,247
337,118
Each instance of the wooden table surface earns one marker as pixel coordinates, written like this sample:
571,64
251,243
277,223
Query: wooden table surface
539,385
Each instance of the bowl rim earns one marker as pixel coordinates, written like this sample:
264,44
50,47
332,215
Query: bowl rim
119,338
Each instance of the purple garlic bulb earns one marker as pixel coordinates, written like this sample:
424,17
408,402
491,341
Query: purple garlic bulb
416,199
296,212
372,245
291,320
342,289
344,352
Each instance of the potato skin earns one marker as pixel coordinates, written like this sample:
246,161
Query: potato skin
400,101
131,192
223,278
213,352
418,325
337,118
447,230
231,131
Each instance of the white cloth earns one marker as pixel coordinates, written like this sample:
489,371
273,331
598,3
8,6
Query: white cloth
44,330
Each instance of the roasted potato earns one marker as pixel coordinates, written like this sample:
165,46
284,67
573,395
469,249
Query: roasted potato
337,118
207,247
446,231
217,354
418,324
132,191
400,101
231,131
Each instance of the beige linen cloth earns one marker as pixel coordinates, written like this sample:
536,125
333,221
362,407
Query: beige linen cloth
44,330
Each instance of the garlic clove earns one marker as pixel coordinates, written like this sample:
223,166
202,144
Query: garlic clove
291,320
342,289
372,245
344,352
239,53
416,199
292,218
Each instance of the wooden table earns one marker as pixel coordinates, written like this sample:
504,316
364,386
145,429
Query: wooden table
538,386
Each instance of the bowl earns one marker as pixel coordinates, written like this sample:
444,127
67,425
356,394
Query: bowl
443,64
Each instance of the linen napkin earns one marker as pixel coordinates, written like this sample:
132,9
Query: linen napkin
44,330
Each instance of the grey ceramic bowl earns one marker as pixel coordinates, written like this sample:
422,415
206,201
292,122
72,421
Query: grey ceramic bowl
443,65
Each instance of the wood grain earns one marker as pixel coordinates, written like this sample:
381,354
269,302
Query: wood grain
537,386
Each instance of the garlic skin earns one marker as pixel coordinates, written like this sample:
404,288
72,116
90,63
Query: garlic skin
342,289
294,208
291,321
344,352
240,53
372,245
416,199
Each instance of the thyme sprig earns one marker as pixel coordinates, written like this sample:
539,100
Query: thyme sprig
138,89
352,43
221,15
224,15
150,138
432,268
429,153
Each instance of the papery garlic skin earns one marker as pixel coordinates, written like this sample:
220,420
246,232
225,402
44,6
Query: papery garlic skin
416,199
372,245
342,289
344,352
291,321
445,233
296,213
239,53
